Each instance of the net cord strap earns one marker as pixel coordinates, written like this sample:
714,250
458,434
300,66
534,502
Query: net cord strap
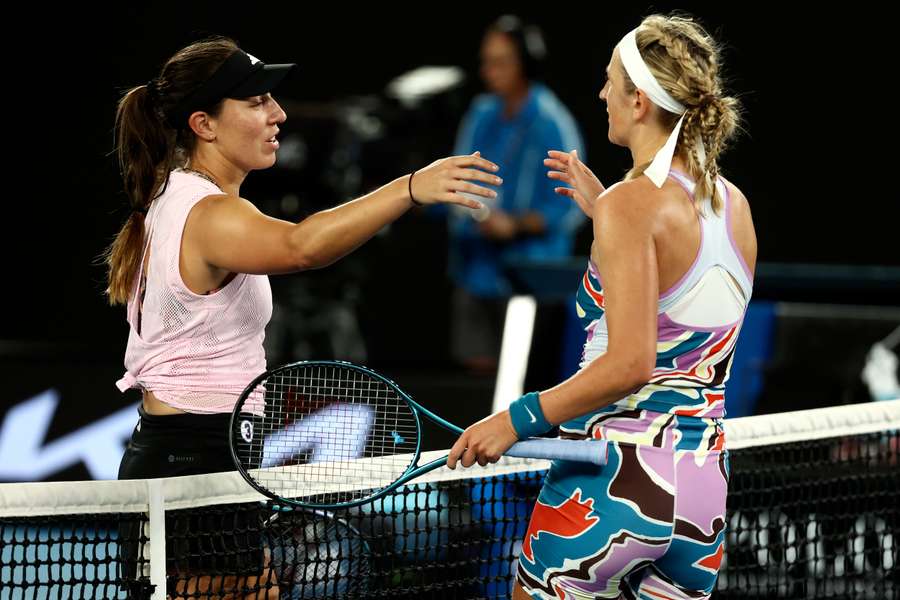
815,424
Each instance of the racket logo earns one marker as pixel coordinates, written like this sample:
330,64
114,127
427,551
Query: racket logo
398,439
247,431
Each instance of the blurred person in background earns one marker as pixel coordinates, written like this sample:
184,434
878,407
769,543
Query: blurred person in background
512,125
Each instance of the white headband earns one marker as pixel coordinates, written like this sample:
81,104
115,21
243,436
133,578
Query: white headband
644,80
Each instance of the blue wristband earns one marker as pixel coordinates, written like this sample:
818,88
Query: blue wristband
527,417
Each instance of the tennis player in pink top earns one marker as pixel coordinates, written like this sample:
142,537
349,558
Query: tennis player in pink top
192,260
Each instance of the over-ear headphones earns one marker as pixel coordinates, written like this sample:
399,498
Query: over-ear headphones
528,40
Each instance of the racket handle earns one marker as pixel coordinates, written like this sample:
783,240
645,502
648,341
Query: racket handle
592,451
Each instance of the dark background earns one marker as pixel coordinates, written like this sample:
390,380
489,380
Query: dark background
808,160
805,162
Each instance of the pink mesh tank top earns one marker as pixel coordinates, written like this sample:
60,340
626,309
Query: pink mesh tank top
194,352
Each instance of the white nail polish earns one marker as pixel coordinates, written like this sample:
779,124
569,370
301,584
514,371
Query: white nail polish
482,213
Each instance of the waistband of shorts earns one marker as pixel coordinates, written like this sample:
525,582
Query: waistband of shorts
192,421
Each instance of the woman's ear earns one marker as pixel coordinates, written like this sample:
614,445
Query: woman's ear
202,125
641,105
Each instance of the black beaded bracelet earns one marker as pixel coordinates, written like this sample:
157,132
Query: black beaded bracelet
414,201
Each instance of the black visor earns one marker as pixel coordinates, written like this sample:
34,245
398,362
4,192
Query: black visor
240,76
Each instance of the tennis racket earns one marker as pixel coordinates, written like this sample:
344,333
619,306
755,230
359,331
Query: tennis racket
316,554
330,434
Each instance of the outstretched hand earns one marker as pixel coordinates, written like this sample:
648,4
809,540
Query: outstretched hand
442,180
583,185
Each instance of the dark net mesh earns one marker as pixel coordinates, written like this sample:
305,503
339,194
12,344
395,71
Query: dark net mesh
806,519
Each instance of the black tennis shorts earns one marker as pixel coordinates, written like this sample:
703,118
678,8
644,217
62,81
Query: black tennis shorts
208,541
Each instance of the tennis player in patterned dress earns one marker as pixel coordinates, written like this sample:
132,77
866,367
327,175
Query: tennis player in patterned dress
662,302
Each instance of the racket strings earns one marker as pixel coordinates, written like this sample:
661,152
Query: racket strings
326,433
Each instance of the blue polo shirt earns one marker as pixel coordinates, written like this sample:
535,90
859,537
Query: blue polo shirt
519,145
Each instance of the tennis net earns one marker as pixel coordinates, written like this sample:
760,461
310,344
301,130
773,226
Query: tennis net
812,512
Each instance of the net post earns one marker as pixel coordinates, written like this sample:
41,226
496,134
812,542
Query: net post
157,520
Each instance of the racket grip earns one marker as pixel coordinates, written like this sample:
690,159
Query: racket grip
592,451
